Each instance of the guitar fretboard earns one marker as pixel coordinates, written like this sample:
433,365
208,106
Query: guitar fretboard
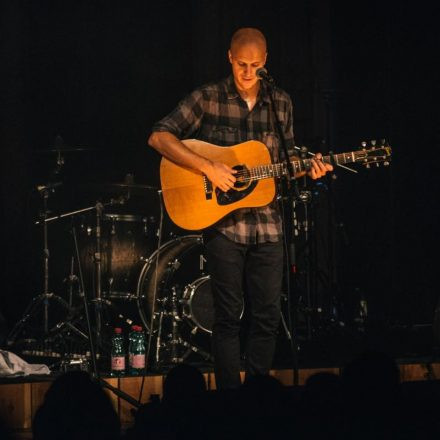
300,165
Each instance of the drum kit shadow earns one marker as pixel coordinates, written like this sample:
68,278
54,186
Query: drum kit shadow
121,267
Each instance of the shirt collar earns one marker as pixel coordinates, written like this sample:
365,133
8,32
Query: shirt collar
232,93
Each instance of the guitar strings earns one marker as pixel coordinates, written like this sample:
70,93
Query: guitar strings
275,170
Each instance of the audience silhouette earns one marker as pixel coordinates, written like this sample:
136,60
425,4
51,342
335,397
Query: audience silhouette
178,414
366,401
76,407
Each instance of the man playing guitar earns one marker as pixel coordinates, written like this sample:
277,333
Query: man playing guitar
245,248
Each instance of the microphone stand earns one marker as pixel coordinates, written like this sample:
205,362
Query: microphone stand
291,186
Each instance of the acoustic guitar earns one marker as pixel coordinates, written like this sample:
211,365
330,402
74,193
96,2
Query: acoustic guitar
193,203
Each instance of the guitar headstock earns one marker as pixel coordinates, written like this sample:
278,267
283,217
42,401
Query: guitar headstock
374,154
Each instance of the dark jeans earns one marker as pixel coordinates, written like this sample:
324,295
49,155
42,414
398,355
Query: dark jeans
260,268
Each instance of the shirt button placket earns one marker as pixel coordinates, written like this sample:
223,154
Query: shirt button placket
249,136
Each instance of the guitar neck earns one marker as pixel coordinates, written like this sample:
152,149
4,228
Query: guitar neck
300,165
334,159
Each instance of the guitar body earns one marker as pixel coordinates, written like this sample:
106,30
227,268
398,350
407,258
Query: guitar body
193,203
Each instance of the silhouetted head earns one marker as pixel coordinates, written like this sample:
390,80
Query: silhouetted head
371,374
263,390
321,389
183,382
75,406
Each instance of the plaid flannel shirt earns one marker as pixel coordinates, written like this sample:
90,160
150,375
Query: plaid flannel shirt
217,114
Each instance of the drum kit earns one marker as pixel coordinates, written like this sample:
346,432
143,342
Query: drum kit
119,267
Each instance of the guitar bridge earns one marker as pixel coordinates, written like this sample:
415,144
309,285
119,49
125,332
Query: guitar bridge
207,185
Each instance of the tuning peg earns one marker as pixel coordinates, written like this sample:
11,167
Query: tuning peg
373,143
377,165
364,145
383,142
386,163
367,165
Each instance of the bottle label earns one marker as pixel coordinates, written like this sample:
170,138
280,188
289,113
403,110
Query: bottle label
137,360
118,363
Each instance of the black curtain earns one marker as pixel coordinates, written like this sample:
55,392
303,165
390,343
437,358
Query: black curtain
99,74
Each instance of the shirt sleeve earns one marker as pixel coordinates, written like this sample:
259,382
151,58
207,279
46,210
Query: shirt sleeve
185,120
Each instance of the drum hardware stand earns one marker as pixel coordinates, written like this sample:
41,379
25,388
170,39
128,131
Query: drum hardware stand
71,279
159,336
93,355
98,272
305,198
74,314
308,230
175,337
46,296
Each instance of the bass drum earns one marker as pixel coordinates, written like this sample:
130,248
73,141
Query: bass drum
179,265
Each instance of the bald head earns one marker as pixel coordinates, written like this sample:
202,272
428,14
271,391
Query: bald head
246,55
248,36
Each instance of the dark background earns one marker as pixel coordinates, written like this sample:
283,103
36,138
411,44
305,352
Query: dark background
99,74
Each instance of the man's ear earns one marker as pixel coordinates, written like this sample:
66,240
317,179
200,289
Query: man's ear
230,56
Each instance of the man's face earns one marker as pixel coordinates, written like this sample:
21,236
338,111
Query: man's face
245,60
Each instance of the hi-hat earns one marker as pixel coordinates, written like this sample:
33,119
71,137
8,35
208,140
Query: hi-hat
59,146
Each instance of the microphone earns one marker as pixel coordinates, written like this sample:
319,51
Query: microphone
263,75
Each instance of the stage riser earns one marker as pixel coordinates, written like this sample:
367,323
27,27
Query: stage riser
18,402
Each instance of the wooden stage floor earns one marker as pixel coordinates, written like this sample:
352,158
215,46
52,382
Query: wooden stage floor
20,397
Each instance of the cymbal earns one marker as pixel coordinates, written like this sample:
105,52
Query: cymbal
120,187
63,149
129,186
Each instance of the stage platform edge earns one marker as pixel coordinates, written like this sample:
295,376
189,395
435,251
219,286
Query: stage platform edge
20,397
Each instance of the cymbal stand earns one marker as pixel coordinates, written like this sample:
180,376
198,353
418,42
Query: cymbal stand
44,298
73,316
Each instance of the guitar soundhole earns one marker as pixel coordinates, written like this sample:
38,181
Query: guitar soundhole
243,186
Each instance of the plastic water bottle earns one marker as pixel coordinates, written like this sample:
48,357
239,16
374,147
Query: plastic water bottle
117,354
131,343
136,351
